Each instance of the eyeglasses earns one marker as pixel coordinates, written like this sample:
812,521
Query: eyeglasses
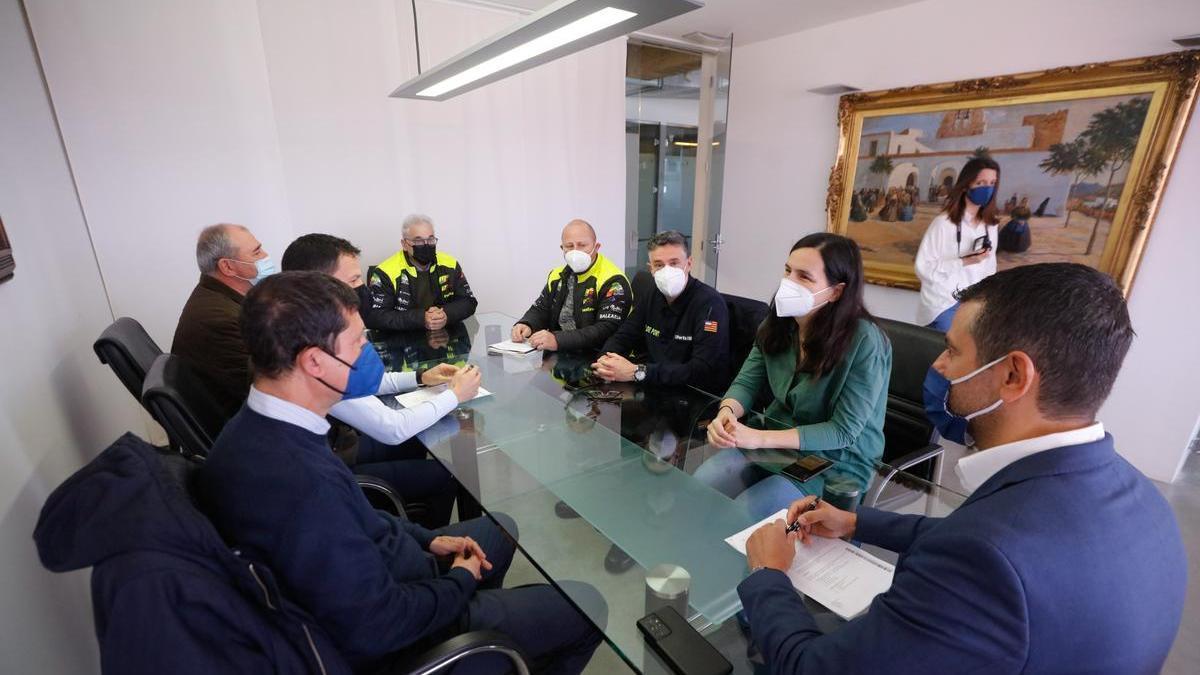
423,242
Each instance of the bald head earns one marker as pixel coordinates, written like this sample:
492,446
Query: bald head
578,234
579,228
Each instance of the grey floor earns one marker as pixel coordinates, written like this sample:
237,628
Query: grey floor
1183,494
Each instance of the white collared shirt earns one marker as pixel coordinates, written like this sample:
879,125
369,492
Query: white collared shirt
390,426
974,469
285,411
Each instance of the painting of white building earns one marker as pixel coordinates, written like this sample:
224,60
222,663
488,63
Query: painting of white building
906,165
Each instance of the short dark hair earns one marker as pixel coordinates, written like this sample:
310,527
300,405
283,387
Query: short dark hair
289,312
1070,319
669,238
317,253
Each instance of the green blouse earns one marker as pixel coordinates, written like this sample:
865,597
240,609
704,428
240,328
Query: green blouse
839,416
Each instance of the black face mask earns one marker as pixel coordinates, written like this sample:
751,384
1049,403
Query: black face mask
425,254
364,295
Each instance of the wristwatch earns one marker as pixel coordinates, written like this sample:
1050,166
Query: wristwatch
639,373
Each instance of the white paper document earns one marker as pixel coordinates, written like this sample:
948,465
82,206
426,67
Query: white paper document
510,347
425,394
836,574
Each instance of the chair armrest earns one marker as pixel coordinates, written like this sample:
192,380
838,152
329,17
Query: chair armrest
901,463
460,647
380,486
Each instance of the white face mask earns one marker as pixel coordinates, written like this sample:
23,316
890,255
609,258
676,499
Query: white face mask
793,299
959,380
578,261
670,281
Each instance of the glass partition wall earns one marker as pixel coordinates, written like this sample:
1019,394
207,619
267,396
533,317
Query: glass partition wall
676,103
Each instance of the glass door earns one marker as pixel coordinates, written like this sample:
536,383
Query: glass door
676,106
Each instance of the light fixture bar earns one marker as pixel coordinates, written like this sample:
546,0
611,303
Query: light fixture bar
599,20
559,29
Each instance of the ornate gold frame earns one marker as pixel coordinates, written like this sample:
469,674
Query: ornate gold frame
1170,78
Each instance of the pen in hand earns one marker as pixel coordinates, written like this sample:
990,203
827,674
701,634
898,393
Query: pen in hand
796,525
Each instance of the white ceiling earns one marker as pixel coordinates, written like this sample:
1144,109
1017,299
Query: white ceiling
753,20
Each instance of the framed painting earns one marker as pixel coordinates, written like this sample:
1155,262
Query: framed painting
1084,151
7,264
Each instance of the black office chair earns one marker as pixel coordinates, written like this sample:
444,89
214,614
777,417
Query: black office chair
745,316
642,284
908,434
128,349
183,469
179,402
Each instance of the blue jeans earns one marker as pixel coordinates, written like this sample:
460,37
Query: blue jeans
943,320
763,493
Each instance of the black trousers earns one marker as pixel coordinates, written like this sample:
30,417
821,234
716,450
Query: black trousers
554,636
416,478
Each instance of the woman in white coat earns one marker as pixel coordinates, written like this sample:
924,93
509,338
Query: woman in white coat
950,257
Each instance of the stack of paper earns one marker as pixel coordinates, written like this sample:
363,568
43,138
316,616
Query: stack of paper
509,347
836,574
426,394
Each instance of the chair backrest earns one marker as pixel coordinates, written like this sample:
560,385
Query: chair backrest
745,316
183,471
641,284
906,427
179,401
128,349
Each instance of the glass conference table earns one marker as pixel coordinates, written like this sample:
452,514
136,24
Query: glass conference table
586,468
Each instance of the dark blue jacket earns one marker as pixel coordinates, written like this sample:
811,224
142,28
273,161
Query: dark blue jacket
167,594
1065,561
277,492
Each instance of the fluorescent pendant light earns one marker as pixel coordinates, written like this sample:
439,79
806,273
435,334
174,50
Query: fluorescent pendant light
559,29
609,16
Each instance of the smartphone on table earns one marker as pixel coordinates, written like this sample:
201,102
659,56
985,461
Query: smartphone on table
807,467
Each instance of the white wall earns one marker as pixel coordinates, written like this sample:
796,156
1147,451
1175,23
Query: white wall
782,141
167,118
275,115
177,114
58,405
500,169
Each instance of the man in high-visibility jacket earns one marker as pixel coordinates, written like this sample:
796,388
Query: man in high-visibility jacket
582,303
418,287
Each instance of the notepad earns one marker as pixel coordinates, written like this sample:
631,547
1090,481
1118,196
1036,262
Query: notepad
426,394
509,347
836,574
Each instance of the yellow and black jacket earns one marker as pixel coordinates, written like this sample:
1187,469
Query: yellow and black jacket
400,293
602,301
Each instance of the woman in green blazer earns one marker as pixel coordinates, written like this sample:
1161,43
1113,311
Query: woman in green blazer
826,364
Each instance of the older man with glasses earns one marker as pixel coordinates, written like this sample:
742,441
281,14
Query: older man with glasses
418,288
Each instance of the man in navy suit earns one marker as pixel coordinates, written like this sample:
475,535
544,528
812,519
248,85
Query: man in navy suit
1064,559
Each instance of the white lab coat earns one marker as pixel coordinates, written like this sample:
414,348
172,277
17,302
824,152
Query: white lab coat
940,268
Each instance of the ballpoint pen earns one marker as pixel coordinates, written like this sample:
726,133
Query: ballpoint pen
796,525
